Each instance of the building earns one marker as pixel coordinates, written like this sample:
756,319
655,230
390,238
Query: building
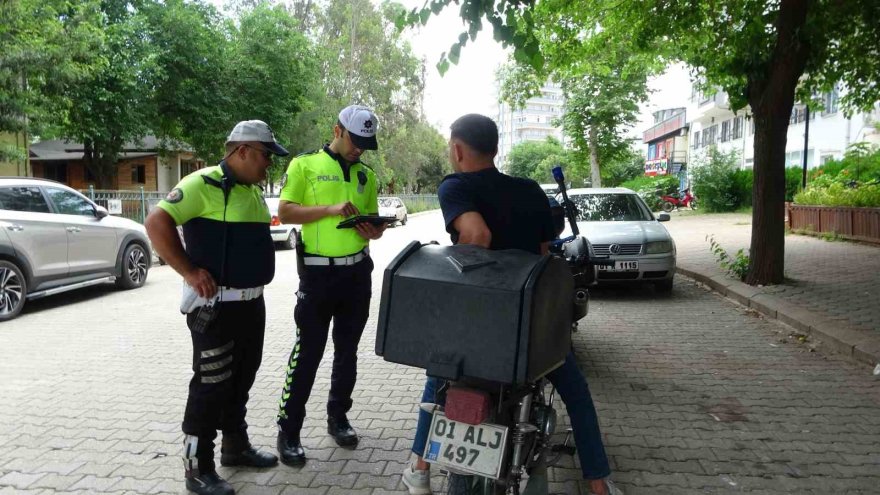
13,155
139,165
667,142
830,134
534,122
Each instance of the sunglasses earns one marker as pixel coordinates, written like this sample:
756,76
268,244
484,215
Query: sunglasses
266,153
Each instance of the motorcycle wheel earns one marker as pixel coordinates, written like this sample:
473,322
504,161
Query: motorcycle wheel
693,204
667,206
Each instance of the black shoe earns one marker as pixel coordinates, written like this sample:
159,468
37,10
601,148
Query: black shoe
290,449
250,457
209,484
341,431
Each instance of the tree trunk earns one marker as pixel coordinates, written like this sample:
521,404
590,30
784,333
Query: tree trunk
771,97
596,178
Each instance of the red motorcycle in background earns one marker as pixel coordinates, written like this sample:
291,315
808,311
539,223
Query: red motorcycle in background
677,200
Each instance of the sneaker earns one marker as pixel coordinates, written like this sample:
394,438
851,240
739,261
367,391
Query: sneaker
612,489
418,482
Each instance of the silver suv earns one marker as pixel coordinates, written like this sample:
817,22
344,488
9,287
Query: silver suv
54,239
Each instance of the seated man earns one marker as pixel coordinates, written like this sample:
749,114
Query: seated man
482,206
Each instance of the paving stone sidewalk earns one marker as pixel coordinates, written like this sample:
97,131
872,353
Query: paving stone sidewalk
832,289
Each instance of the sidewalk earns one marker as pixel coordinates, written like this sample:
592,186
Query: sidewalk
831,292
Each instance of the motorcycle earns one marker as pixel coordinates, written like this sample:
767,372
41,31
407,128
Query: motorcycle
675,201
507,429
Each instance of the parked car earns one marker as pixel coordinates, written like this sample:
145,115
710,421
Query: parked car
619,224
54,239
551,190
393,207
284,235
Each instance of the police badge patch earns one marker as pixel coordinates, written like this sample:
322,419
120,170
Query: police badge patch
283,181
174,196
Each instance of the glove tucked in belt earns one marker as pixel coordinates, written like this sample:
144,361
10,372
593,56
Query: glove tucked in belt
192,301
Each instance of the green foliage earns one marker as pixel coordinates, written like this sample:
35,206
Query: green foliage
861,164
716,182
651,187
794,178
736,265
535,159
629,165
836,194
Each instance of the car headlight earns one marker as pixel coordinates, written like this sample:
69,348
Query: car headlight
658,247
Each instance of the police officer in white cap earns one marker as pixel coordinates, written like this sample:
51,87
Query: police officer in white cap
229,257
319,190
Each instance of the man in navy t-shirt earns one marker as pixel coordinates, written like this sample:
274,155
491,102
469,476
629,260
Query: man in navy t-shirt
484,207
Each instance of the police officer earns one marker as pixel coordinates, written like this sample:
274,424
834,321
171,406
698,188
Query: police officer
319,190
229,257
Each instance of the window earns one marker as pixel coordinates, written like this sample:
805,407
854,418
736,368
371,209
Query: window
710,135
696,143
751,127
830,103
23,199
725,131
737,128
189,166
70,203
55,171
138,174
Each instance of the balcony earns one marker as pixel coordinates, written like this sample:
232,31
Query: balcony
669,126
716,105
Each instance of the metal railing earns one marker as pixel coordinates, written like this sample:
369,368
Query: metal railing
133,204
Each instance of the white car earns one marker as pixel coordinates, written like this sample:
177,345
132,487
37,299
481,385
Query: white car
619,225
393,207
282,234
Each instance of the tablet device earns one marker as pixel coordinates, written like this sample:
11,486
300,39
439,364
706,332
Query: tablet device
373,219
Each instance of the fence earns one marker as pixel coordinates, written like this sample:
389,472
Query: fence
861,224
419,202
136,204
133,205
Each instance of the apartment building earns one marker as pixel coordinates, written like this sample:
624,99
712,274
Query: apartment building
534,122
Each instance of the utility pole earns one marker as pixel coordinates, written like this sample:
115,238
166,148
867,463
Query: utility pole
806,141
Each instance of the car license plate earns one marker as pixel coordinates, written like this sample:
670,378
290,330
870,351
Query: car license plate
621,266
473,449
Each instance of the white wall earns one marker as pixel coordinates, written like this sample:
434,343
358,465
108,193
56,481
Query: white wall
168,171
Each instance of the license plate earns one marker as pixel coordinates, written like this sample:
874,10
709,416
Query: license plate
621,266
472,449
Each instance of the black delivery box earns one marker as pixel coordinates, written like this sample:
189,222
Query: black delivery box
464,311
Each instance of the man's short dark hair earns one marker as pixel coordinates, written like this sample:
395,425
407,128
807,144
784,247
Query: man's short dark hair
477,131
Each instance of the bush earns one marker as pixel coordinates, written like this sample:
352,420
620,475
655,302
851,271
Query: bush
794,177
836,194
716,184
651,187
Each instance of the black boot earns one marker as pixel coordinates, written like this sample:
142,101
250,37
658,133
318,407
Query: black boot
236,450
208,484
340,429
198,462
290,449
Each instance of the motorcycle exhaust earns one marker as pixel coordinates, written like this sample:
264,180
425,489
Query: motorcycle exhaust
581,303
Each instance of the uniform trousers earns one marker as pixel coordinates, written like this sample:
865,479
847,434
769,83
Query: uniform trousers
340,294
226,358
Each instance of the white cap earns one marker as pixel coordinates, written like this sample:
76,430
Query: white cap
362,125
259,131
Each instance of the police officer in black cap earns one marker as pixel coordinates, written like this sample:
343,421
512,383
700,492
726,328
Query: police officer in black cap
229,257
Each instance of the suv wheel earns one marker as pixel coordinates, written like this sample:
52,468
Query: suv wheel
135,266
13,289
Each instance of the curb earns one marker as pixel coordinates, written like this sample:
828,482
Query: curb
832,335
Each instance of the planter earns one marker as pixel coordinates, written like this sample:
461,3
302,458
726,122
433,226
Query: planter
861,224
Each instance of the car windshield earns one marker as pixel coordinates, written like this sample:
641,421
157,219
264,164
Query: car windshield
389,202
610,208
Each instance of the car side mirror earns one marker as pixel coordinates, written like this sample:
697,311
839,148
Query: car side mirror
101,212
663,217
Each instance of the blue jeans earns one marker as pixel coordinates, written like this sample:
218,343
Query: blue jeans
574,392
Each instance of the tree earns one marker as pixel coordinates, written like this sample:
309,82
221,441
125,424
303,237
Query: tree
112,104
626,166
47,45
535,159
765,54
